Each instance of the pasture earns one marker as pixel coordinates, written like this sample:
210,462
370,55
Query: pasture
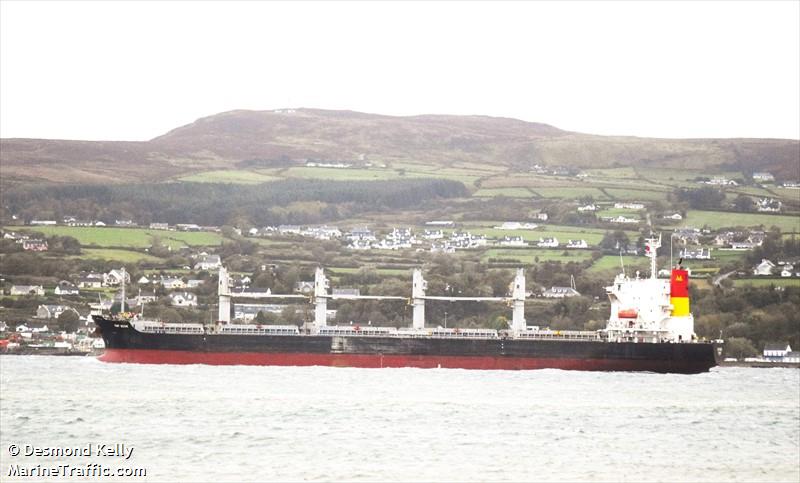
125,256
126,237
233,176
721,219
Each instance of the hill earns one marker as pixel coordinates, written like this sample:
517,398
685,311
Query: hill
253,139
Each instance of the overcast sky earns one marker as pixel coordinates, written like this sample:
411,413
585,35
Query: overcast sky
132,71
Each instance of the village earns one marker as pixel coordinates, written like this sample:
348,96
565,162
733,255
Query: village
60,312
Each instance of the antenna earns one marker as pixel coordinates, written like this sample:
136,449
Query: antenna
620,262
572,281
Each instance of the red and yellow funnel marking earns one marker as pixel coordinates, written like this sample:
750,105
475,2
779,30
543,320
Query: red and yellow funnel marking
679,293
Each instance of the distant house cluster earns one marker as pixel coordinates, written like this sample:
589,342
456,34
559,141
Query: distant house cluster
783,268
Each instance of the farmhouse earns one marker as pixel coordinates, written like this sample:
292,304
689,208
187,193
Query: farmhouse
513,241
159,226
776,351
764,268
208,262
763,176
65,287
560,292
53,311
589,207
768,205
248,312
696,254
171,283
629,206
515,225
27,290
34,245
673,216
548,243
90,280
577,244
116,277
183,299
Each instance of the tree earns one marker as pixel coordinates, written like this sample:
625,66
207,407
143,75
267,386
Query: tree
68,321
743,203
739,347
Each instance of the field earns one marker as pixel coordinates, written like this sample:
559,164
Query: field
509,192
126,256
612,263
126,237
766,282
718,219
231,176
531,255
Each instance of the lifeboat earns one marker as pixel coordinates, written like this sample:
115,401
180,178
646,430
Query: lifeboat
627,314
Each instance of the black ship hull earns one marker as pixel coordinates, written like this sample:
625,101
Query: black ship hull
126,344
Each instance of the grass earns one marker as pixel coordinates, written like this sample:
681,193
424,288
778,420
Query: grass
530,255
355,174
613,173
636,195
126,256
127,237
510,192
569,192
611,262
766,282
718,219
229,176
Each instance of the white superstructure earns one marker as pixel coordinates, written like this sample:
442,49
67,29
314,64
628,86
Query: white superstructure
644,310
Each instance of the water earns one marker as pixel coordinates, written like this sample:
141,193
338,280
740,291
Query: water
206,423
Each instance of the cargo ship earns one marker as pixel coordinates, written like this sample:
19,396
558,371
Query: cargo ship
650,328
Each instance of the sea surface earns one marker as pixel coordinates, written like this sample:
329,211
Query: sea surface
237,423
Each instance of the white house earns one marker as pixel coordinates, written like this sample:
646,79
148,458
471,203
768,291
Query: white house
696,253
513,241
577,244
183,299
433,234
786,270
629,206
763,176
53,311
143,280
775,351
548,243
768,205
208,262
673,216
515,225
589,207
560,292
27,290
764,268
115,277
65,287
621,219
171,283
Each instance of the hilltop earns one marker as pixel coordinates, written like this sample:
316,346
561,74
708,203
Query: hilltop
289,137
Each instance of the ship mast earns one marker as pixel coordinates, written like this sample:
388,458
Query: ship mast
651,246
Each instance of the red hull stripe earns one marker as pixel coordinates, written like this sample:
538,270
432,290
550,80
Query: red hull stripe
146,356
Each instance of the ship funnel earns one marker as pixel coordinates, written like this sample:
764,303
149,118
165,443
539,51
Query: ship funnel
679,292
